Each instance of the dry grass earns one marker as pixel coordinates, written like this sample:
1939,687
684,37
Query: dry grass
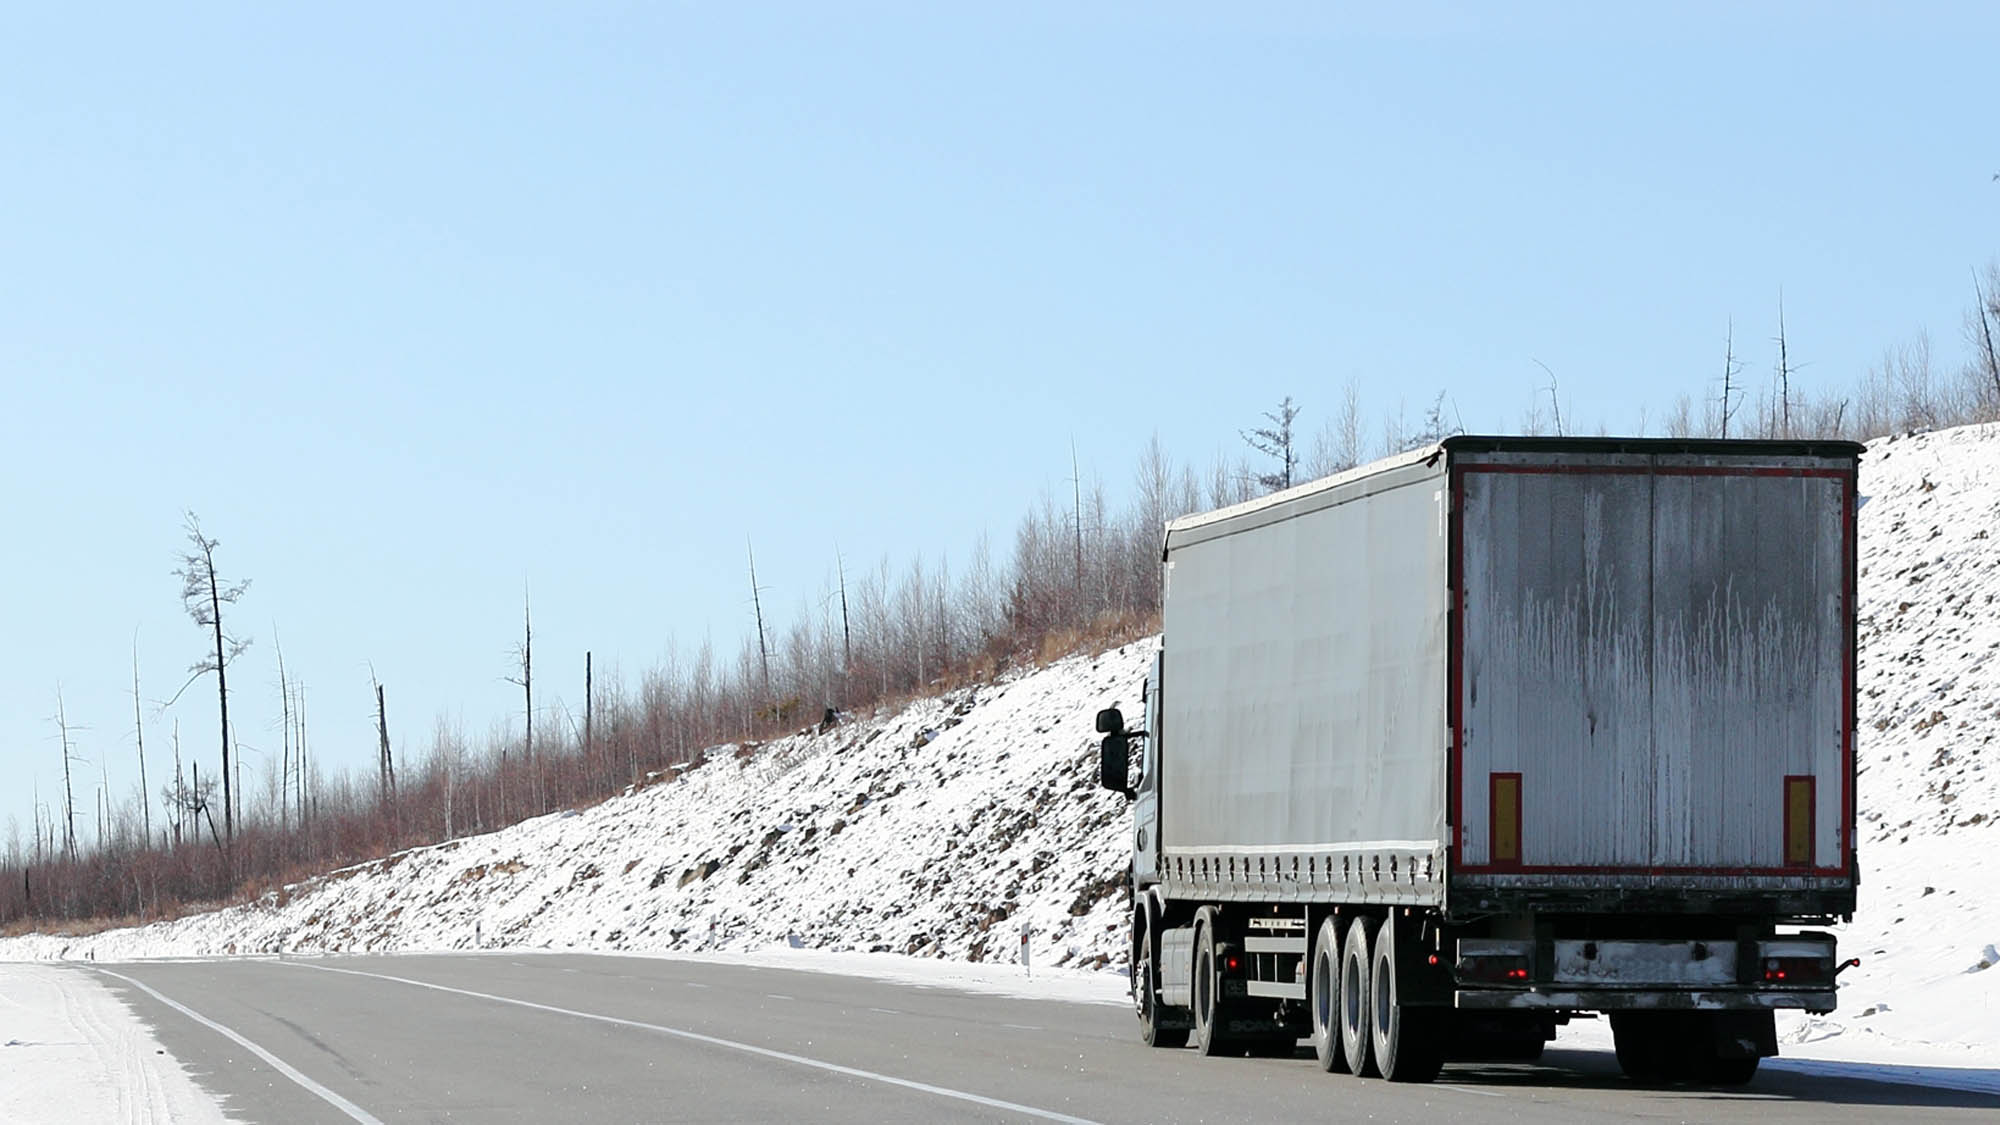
1110,630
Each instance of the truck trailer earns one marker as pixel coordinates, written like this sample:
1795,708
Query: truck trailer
1450,749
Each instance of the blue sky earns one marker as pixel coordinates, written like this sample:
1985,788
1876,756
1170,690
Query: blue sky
420,304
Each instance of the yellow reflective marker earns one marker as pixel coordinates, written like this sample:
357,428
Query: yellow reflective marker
1504,801
1798,821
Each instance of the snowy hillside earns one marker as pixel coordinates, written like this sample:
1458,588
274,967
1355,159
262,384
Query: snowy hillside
1928,922
940,830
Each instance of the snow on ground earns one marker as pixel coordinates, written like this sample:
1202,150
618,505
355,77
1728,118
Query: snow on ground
937,831
70,1051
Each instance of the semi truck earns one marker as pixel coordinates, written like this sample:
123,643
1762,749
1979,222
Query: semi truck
1443,752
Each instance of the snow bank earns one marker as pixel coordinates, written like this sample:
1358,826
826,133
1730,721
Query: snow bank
938,831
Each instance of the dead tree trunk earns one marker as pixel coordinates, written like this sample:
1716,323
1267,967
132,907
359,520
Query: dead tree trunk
284,739
222,698
1729,369
180,789
69,793
139,736
757,609
386,763
846,634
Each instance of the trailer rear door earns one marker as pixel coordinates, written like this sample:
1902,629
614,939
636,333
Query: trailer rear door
1652,668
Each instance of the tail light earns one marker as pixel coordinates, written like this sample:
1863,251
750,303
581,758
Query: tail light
1804,960
1492,969
1501,961
1798,970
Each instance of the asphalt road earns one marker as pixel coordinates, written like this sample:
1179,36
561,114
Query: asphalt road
557,1038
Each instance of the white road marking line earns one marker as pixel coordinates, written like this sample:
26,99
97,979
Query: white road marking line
1021,1026
692,984
1469,1090
731,1044
322,1093
886,1011
775,996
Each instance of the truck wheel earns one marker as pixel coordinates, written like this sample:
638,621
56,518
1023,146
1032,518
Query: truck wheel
1355,1042
1641,1045
1406,1043
1147,979
1726,1047
1209,1038
1325,1000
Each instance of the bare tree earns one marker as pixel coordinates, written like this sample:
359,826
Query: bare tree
385,762
306,791
524,656
1680,420
1436,429
846,634
139,736
1730,369
203,594
1982,311
69,793
284,735
1784,412
1555,402
1076,515
757,610
176,798
1337,448
1275,440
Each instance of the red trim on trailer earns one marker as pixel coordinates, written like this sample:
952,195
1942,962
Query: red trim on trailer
1455,580
1456,568
1849,610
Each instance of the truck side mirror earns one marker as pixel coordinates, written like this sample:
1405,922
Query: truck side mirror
1114,761
1111,721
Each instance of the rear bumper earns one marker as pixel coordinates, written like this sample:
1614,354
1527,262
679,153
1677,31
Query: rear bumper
1788,971
1636,999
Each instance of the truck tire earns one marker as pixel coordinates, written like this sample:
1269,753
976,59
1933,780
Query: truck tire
1407,1045
1209,1036
1324,1000
1727,1046
1644,1044
1146,980
1355,1041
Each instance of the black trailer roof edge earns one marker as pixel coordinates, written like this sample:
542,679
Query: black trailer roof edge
1500,443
